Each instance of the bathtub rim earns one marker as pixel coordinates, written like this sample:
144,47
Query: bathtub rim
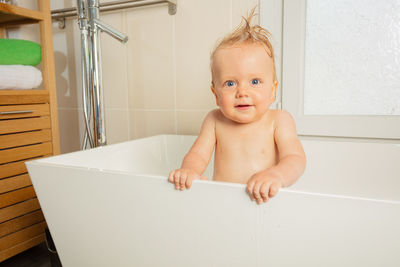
47,162
217,183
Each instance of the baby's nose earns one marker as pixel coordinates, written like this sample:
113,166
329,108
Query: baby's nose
241,91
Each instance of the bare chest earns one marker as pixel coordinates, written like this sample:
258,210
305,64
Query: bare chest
242,151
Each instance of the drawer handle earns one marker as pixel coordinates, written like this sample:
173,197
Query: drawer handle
15,112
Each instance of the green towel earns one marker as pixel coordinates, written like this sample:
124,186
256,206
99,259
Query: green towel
19,52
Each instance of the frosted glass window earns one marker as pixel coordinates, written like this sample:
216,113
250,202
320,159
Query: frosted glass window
352,57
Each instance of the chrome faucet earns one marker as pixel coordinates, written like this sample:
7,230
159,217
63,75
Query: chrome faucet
92,82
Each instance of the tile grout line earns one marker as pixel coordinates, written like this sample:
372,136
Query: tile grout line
124,28
128,78
174,71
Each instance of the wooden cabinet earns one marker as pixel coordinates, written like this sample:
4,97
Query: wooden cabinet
28,130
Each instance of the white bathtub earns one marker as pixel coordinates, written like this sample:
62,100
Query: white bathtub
113,206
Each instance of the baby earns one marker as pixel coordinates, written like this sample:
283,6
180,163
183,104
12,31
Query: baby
253,144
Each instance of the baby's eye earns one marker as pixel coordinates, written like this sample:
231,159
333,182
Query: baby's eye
255,81
230,83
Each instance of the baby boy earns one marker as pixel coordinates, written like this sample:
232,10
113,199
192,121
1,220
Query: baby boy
254,145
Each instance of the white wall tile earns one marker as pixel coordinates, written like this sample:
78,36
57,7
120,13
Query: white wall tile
150,122
198,26
150,61
66,44
117,125
57,4
241,8
69,130
114,64
189,121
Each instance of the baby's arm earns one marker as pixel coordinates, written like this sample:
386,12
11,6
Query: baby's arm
292,162
197,159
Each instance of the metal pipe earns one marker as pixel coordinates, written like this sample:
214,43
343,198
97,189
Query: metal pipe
92,82
116,5
96,76
85,71
111,31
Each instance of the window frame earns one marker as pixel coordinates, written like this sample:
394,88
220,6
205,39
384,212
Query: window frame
293,50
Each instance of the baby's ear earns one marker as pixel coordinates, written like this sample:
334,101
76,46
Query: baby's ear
213,91
274,89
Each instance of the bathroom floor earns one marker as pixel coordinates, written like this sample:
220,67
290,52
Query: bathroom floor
34,257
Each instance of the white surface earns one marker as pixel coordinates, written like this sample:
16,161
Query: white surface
352,53
102,210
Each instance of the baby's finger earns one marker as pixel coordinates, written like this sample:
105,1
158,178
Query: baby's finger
273,190
189,182
182,181
264,191
250,186
171,176
177,177
256,193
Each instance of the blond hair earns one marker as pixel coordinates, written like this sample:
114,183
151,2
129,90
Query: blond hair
245,33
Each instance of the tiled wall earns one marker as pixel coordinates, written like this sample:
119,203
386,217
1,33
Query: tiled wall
157,83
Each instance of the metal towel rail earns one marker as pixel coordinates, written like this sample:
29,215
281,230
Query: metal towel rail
60,14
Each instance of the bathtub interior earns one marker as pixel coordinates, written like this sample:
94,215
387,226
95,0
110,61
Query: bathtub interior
152,156
361,169
358,169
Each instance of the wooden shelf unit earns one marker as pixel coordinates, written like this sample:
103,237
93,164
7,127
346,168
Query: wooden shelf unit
30,133
13,15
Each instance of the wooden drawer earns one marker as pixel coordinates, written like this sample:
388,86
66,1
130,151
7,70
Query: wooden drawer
14,197
25,152
14,183
24,125
19,209
21,236
26,138
14,250
24,111
14,168
12,97
20,223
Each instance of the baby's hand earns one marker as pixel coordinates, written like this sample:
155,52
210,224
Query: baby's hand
264,185
183,178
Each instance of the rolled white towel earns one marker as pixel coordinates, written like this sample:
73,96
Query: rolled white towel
19,77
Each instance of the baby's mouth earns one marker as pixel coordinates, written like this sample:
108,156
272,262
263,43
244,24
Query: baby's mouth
244,106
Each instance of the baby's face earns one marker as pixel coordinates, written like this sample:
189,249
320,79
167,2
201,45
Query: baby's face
243,82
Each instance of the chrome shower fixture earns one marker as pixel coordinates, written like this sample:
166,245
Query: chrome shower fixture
92,84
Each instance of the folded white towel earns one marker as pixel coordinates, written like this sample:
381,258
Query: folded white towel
19,77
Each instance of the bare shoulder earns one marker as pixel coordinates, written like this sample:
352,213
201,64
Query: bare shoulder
283,122
210,119
282,116
214,116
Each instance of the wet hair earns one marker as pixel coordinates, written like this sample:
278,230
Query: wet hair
246,33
